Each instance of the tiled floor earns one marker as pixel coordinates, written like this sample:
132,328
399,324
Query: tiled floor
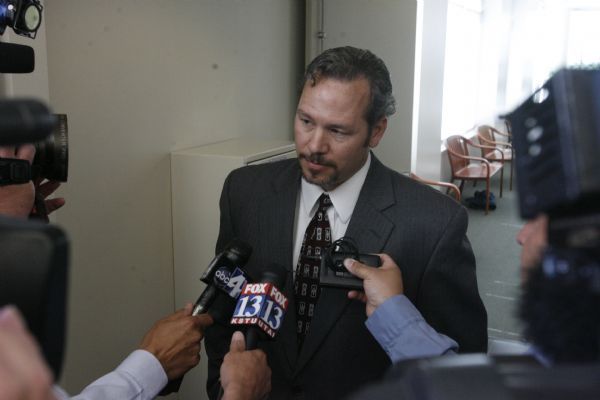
497,255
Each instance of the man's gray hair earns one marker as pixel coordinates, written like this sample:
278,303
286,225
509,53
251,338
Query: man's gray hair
349,63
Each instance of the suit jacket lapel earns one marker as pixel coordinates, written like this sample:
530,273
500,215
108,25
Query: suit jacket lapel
278,227
370,229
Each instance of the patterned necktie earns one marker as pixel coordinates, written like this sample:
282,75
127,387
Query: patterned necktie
306,286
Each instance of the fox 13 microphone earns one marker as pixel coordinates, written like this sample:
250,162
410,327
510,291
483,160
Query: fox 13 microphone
261,306
224,275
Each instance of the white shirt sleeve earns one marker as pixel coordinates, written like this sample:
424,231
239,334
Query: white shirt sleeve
140,376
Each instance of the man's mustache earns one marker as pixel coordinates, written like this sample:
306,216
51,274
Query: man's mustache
319,159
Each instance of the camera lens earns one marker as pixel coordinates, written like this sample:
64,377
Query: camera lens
52,155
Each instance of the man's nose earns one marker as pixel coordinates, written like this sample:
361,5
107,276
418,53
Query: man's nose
318,142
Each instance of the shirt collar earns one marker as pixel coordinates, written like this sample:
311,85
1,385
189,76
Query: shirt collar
343,197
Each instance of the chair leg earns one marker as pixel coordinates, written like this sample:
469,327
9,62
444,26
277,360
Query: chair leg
512,167
487,196
462,185
501,178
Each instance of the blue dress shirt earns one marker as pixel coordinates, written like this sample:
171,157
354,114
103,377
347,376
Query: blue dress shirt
403,333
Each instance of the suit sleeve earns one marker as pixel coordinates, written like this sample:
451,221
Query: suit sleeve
218,336
449,298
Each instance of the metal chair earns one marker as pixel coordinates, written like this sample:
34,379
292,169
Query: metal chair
469,168
499,151
450,187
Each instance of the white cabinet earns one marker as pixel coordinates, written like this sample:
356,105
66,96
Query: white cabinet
197,177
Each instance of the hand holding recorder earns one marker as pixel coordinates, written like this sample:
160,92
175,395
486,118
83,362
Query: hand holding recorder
379,283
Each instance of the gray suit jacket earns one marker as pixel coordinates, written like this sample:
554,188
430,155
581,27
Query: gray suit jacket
420,228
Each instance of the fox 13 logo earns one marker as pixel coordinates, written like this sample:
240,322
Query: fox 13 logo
260,304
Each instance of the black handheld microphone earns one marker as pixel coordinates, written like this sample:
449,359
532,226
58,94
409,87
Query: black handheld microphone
16,59
25,121
223,274
261,306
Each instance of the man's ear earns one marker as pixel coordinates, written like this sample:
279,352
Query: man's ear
377,132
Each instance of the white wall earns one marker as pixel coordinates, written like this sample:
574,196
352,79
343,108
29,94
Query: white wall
426,160
388,29
137,80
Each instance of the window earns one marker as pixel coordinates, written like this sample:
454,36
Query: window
461,66
583,32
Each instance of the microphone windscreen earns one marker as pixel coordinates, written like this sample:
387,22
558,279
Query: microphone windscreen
275,274
16,59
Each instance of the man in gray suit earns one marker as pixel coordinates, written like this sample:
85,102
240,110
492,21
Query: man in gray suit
342,113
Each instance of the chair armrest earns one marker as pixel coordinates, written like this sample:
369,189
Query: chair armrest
499,132
480,159
495,143
450,186
479,146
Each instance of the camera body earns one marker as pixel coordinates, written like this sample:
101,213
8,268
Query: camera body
332,271
556,134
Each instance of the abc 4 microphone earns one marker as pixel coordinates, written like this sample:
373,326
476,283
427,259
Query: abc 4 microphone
261,306
223,274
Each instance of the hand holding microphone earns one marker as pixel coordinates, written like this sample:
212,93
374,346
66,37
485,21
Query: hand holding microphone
223,274
244,374
379,283
175,341
260,307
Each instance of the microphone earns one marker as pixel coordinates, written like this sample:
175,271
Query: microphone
16,59
261,306
223,274
25,121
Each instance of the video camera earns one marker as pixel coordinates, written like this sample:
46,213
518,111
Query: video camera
556,134
557,141
34,267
